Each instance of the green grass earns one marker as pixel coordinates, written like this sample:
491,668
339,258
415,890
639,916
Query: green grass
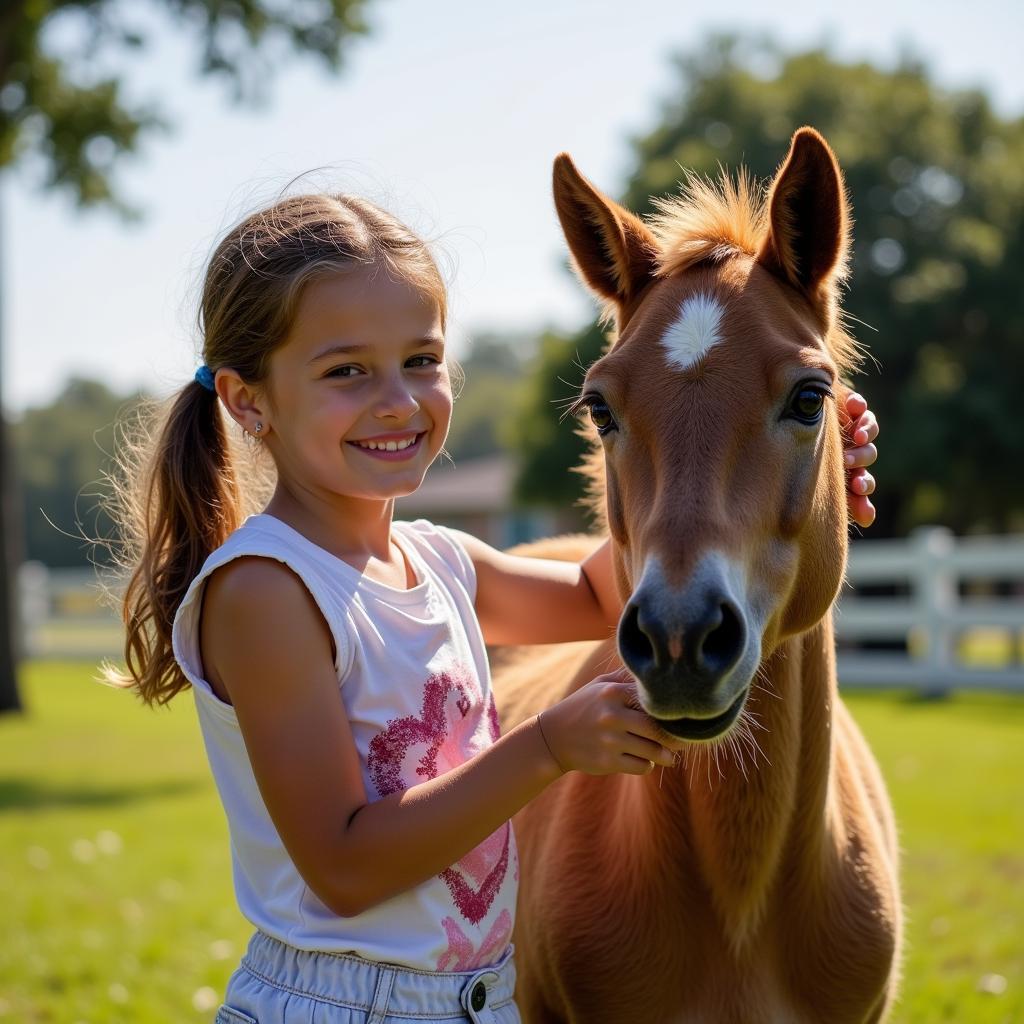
115,879
955,772
116,886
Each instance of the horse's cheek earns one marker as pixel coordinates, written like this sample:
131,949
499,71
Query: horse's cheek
816,519
613,499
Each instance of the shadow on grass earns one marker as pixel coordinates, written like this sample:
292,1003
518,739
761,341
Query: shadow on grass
32,794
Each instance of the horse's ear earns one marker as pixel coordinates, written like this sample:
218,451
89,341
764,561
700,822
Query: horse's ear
809,234
615,253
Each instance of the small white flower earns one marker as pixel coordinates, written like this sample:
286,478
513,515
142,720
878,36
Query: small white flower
204,999
221,949
170,889
109,842
83,850
993,984
131,911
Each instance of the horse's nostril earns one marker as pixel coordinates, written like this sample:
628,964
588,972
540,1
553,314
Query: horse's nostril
720,646
634,645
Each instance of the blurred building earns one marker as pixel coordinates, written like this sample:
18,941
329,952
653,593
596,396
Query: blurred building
476,495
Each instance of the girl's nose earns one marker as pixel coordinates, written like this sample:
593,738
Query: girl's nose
396,400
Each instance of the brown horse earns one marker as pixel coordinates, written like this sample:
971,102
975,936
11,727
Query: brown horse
757,881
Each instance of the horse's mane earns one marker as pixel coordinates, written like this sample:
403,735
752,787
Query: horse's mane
709,221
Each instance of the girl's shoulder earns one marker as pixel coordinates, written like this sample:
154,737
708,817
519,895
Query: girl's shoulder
262,564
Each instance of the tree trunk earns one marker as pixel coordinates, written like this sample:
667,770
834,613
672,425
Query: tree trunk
10,548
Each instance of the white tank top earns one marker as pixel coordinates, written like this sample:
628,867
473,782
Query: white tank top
413,676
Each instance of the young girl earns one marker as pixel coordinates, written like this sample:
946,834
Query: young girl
336,657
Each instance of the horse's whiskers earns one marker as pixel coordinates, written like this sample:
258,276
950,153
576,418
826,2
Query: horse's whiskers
763,683
737,752
748,732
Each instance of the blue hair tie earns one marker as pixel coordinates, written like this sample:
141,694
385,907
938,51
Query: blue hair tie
205,377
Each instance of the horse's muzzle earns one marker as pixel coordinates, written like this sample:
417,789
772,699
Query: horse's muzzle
691,653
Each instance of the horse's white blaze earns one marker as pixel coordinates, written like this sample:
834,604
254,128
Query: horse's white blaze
693,331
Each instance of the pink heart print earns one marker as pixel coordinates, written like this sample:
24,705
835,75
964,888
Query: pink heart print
446,733
461,954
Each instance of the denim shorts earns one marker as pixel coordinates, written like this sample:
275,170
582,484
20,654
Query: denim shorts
278,984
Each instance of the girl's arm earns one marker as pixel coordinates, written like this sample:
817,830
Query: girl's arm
522,600
266,644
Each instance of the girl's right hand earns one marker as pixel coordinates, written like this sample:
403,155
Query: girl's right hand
598,730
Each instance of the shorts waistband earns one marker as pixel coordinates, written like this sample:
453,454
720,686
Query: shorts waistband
343,979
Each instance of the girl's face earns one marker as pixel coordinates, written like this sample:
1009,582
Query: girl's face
360,393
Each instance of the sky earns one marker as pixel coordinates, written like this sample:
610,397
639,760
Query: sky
448,114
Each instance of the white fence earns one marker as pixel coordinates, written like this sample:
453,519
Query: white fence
62,615
954,633
958,634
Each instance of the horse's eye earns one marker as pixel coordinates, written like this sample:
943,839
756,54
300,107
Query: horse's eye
601,416
807,403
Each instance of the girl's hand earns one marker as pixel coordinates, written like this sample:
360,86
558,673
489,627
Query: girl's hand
860,428
598,730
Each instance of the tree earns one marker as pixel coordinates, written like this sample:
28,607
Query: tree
936,179
76,124
63,453
550,445
496,376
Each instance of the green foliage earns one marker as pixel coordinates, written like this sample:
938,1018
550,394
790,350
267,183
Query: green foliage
936,180
495,379
62,451
109,917
549,443
54,105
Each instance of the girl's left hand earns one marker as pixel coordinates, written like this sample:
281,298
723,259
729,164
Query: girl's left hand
859,434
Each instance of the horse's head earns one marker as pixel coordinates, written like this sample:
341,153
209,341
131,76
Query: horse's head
717,413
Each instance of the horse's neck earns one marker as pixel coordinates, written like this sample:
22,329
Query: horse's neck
762,798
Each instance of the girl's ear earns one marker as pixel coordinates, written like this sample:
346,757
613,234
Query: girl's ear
244,403
614,252
808,237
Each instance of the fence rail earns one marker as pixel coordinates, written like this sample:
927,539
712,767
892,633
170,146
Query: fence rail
950,627
947,619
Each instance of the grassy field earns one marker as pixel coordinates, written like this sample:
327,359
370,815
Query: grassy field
115,879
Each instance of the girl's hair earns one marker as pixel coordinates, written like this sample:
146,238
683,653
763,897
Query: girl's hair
176,493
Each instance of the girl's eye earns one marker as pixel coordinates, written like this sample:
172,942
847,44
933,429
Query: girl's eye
808,402
418,361
343,371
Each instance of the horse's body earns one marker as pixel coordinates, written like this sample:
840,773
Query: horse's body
756,881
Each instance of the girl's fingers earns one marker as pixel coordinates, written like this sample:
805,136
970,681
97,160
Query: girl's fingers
865,455
861,509
639,723
855,405
865,428
631,765
862,482
649,750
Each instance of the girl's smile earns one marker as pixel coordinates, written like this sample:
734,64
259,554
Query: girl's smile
391,447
